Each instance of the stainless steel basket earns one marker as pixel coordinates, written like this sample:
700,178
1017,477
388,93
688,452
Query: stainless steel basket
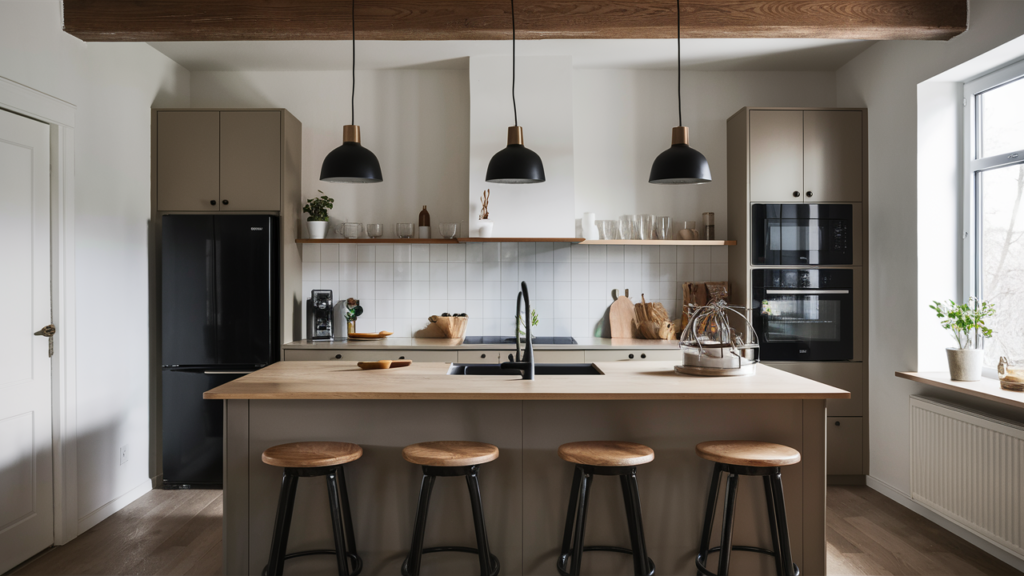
711,347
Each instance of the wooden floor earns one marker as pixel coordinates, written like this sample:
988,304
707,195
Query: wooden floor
179,532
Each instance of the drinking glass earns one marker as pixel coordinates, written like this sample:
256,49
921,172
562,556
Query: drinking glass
374,230
664,228
626,228
646,226
689,231
352,230
606,229
448,230
404,230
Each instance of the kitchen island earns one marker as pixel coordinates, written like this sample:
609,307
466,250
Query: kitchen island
525,491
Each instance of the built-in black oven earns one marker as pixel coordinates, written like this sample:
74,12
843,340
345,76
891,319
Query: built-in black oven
803,314
802,234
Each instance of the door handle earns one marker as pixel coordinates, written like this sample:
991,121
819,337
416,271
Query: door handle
215,372
807,292
48,331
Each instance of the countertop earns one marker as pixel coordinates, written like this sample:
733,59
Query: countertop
986,388
430,381
456,343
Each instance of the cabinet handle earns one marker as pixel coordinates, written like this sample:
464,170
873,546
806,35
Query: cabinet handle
401,357
224,202
213,202
483,355
809,193
630,356
337,356
643,356
796,194
837,422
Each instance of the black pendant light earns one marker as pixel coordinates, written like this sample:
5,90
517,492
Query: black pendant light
350,162
680,164
516,164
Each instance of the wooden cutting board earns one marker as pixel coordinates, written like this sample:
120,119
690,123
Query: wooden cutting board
620,316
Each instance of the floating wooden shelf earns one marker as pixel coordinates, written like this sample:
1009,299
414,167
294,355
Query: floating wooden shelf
474,240
660,242
375,241
570,240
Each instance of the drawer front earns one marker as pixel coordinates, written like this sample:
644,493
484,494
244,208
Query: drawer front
845,375
560,356
539,356
369,355
484,356
638,355
845,446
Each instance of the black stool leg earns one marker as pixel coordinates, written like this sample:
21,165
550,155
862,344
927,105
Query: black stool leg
282,522
416,553
780,511
727,520
581,520
627,497
639,519
339,537
346,511
570,516
709,515
774,523
482,547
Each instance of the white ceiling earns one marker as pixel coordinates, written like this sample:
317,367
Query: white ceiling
773,54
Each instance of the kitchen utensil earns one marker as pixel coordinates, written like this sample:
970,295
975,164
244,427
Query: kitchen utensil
369,335
352,230
709,225
652,322
321,312
620,316
646,226
664,228
711,347
448,230
384,364
405,230
374,230
626,228
451,326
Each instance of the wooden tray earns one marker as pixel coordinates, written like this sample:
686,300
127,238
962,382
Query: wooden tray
369,335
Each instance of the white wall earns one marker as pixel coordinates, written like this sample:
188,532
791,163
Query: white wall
113,87
885,79
415,121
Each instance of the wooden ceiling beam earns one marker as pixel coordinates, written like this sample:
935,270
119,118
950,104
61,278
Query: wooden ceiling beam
206,20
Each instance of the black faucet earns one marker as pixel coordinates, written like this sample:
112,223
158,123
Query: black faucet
525,364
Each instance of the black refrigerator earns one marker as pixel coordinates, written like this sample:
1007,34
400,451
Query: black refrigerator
220,320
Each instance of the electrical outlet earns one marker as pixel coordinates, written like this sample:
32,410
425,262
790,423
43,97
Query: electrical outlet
124,454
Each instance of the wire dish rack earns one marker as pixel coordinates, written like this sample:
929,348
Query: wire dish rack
711,347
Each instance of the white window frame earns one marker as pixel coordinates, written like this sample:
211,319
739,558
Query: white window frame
972,168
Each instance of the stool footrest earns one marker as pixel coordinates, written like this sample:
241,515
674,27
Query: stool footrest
357,562
702,560
494,559
564,558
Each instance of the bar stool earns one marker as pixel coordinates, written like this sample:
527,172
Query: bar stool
741,458
309,459
450,459
603,459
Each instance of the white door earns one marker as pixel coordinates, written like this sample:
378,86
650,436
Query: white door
26,466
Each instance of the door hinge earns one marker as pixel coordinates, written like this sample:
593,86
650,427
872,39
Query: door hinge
48,331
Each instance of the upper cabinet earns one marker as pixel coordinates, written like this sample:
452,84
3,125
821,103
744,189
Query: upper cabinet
806,155
219,161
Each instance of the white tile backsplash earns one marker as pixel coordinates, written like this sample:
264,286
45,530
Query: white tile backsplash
400,285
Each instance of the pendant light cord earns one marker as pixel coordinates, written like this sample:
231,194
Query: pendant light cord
679,63
515,114
353,62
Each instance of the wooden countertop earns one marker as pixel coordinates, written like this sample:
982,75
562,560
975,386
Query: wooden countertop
456,344
987,388
430,381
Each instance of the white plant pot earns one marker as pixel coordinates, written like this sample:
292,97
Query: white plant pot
486,228
965,365
317,229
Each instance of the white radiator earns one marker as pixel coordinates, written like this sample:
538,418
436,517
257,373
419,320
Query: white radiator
969,467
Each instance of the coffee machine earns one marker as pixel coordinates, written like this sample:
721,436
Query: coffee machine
321,315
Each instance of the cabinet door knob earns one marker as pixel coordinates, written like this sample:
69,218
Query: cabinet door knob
483,355
643,356
630,356
809,193
337,356
837,422
213,202
224,202
796,194
401,357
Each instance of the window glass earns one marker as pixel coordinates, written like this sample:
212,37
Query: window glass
1001,257
1002,119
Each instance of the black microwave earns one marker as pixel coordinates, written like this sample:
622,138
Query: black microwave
804,314
802,234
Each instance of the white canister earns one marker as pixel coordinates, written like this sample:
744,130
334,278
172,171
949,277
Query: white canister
424,231
590,226
486,228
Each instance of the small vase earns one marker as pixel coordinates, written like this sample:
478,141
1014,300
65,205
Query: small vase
352,327
965,364
486,228
317,229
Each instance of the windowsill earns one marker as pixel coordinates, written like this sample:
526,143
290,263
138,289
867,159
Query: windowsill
987,388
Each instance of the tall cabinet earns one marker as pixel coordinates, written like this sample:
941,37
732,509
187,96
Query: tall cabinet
794,156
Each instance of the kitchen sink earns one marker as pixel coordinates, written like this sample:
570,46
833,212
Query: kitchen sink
540,370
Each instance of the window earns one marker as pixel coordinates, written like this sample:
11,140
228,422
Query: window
994,205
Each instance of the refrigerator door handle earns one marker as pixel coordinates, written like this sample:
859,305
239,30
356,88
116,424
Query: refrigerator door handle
228,371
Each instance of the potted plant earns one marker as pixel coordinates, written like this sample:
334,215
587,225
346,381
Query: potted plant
967,324
352,311
486,224
317,209
521,327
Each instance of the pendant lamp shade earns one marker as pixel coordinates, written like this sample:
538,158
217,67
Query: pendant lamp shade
350,162
515,164
680,164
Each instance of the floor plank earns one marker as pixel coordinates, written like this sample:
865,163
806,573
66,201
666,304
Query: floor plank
178,532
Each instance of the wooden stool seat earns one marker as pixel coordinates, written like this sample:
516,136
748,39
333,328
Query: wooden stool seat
450,453
745,453
312,454
606,453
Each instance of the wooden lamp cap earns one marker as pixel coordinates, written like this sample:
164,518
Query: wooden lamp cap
515,135
681,135
350,134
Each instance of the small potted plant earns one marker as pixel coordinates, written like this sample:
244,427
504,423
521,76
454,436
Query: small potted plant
521,327
486,224
352,311
317,209
967,324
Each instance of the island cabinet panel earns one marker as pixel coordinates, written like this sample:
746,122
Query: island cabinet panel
833,155
187,160
370,355
540,356
845,446
846,375
633,355
250,160
776,155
